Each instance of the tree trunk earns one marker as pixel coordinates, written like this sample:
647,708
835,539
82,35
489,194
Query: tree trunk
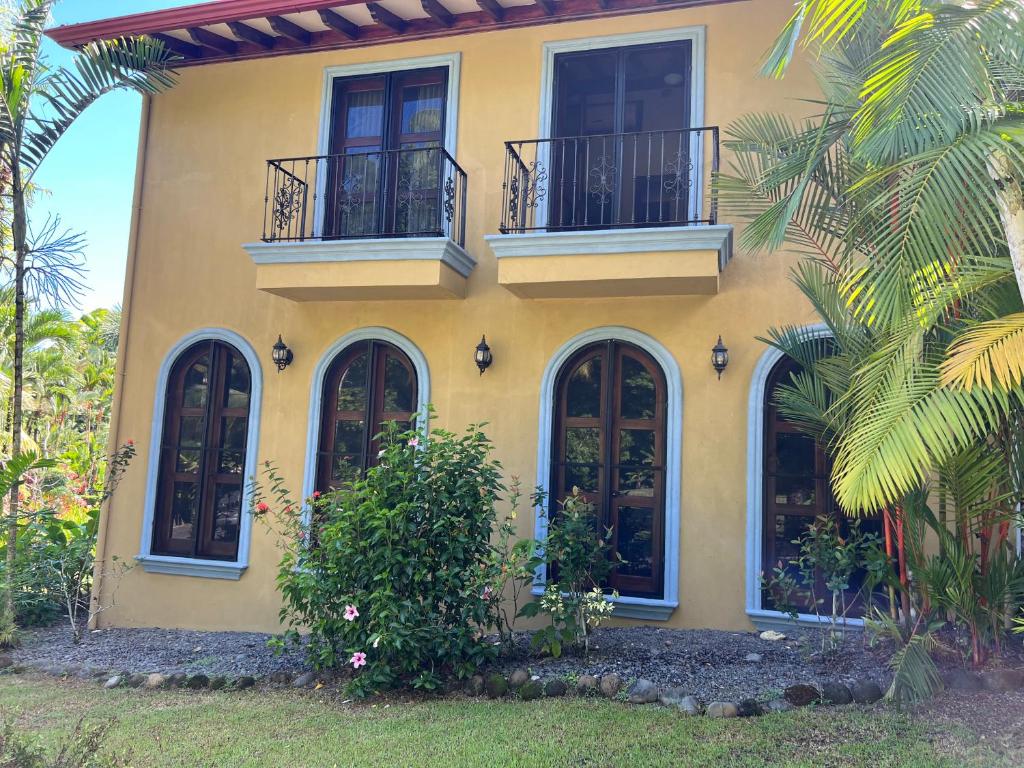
19,234
1010,198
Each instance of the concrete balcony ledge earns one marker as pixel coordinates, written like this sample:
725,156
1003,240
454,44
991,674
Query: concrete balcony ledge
648,261
362,270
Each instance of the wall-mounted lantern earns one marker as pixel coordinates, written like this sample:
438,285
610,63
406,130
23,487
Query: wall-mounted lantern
483,355
282,355
720,357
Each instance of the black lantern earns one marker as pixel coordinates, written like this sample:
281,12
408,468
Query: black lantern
720,356
483,355
282,355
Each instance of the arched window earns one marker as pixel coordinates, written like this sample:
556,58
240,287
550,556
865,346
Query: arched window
201,477
609,441
797,491
369,383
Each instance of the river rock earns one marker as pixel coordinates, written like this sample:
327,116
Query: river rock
530,690
836,694
587,685
195,682
113,682
611,685
154,681
496,686
475,686
643,692
866,691
304,680
801,694
518,678
722,709
245,681
556,687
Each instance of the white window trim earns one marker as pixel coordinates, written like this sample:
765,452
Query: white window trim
189,566
419,362
695,34
631,607
761,617
453,61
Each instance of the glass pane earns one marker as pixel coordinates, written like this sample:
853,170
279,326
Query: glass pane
197,382
192,432
352,387
232,432
188,461
636,541
417,191
636,482
184,506
365,114
583,394
636,447
346,468
236,383
581,476
358,183
227,509
639,394
422,108
794,454
657,86
796,491
583,445
348,436
399,388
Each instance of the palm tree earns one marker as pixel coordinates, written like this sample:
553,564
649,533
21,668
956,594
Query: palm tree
38,103
890,190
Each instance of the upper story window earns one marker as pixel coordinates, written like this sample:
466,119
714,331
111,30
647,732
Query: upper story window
202,453
386,154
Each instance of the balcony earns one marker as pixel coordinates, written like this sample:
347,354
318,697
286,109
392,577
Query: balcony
626,214
367,225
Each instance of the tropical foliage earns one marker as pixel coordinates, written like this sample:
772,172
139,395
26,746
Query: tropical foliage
902,194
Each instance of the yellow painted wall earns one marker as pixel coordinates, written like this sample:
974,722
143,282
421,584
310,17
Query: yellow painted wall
202,196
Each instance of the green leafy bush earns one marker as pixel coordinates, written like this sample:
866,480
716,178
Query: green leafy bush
578,553
80,749
395,582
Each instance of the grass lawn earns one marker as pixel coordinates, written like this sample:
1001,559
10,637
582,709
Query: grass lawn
296,729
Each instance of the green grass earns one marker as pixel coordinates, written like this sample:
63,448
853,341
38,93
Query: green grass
295,729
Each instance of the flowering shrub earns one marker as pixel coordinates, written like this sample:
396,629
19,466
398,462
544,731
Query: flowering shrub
393,583
579,553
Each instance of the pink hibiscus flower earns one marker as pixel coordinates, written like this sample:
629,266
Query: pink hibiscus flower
351,614
358,659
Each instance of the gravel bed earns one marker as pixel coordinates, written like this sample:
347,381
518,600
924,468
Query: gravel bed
167,651
710,664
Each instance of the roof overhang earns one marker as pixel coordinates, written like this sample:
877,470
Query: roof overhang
227,30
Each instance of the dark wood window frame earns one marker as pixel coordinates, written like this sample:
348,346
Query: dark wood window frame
373,414
208,454
610,499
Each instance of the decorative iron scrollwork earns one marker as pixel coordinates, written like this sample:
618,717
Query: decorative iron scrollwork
678,174
536,184
289,200
449,199
602,179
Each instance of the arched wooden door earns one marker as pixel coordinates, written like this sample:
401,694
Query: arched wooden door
368,384
797,491
609,441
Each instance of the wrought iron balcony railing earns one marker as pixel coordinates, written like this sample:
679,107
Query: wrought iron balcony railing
609,181
409,192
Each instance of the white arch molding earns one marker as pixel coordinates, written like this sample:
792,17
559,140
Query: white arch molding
189,566
761,617
630,607
419,363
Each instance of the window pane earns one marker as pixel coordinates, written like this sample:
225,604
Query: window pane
635,541
583,394
422,108
796,491
197,380
192,432
417,191
794,454
636,447
236,383
365,114
227,510
357,190
184,509
399,386
636,482
583,445
232,444
188,461
581,476
352,388
346,468
348,436
639,393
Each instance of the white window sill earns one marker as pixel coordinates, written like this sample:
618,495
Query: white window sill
188,566
780,622
632,607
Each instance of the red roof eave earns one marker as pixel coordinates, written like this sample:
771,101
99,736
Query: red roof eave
215,12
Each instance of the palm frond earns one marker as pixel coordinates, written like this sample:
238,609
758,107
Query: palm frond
988,354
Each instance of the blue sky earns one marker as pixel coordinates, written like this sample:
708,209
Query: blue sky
90,174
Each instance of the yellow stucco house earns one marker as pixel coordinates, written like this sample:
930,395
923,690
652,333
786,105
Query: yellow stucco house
381,184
